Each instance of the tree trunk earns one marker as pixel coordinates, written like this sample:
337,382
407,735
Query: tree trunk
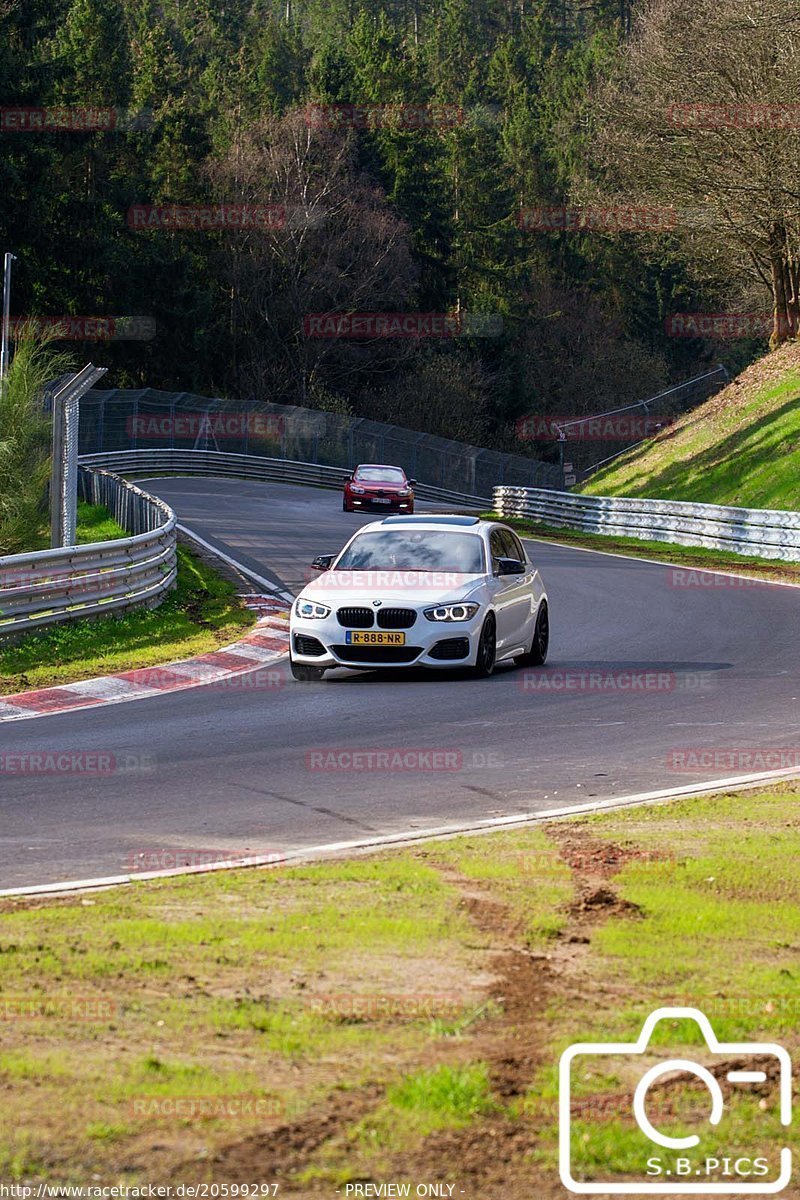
780,297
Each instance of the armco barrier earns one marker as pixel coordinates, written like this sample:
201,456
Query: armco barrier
253,466
757,532
50,586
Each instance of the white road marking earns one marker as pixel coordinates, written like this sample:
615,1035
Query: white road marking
412,836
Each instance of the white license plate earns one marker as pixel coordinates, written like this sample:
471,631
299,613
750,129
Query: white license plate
380,500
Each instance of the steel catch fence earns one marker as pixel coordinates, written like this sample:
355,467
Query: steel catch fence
147,419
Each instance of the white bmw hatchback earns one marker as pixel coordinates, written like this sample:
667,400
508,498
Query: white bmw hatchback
422,591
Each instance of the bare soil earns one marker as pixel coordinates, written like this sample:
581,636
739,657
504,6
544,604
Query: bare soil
493,1158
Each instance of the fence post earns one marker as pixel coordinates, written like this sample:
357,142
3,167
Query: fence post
64,461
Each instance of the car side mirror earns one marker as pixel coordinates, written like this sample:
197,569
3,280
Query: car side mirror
323,562
510,566
411,482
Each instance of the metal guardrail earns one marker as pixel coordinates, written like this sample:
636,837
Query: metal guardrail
49,586
253,466
760,533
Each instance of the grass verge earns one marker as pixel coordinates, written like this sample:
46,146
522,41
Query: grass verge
741,447
401,1017
201,614
696,557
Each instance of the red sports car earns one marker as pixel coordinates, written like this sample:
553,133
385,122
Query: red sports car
372,486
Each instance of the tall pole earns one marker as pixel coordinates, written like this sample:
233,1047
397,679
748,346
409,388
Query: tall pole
8,258
64,459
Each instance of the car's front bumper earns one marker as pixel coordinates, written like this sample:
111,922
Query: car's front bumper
373,504
422,646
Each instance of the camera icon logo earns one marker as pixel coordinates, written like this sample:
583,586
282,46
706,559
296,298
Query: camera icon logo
678,1172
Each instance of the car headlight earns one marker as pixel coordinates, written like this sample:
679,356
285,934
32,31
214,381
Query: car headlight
359,491
311,610
452,612
404,492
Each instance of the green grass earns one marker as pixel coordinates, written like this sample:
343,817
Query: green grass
444,1097
740,448
214,986
201,614
25,435
256,983
523,871
718,931
95,524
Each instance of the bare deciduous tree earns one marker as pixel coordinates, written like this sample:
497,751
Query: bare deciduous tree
704,116
340,248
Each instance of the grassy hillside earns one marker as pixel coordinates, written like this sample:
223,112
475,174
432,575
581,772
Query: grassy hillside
742,447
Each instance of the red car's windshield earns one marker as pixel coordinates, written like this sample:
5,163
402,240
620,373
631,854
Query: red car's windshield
380,475
414,550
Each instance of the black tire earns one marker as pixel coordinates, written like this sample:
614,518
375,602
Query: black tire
305,673
345,508
487,649
537,655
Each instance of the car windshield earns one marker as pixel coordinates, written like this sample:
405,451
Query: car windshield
380,475
414,550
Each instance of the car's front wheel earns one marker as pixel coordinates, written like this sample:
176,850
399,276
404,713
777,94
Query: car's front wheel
487,649
305,673
540,642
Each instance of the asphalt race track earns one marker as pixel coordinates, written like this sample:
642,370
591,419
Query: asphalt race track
231,769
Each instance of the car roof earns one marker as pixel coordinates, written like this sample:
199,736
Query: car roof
431,521
380,466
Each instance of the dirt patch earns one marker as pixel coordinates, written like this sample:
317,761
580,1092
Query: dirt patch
521,990
603,902
494,1156
586,856
766,1063
275,1155
594,864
